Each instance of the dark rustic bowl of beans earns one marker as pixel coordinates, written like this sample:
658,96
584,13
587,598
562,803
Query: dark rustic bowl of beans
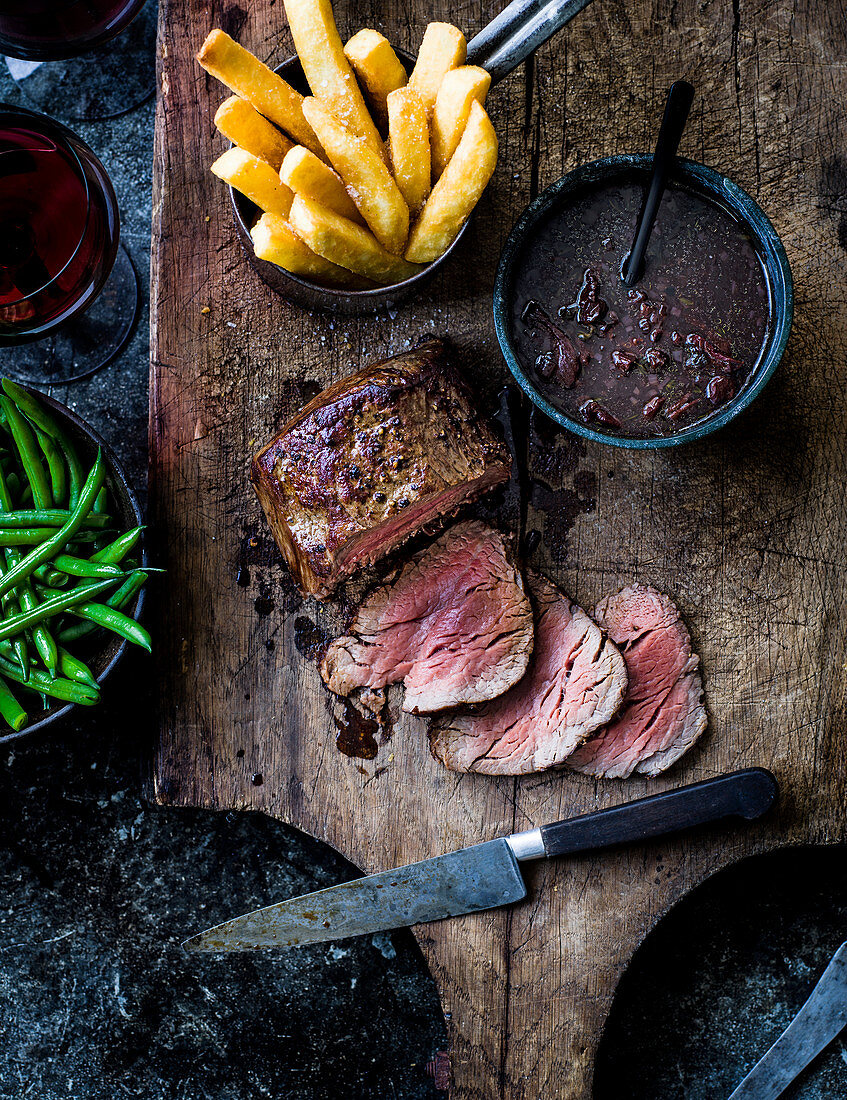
106,555
670,360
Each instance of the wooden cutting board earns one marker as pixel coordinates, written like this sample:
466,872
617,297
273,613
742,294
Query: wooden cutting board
746,531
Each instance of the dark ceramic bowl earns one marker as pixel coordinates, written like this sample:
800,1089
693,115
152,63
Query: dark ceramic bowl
313,295
706,183
103,653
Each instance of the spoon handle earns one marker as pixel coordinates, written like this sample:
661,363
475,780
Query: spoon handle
517,32
677,106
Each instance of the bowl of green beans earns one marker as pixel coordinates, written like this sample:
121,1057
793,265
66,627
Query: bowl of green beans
72,563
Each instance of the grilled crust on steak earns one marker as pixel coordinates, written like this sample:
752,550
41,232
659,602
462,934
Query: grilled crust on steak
371,461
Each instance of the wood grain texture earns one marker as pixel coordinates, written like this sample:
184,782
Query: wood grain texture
746,531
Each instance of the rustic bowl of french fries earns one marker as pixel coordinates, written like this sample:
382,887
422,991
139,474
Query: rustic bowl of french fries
348,198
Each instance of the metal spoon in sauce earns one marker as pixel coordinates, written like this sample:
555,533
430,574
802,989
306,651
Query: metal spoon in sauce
677,106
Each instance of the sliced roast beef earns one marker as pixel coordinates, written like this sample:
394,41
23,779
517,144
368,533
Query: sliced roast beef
663,713
374,459
455,626
575,683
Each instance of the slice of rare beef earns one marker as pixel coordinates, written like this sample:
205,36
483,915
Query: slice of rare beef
575,683
374,459
663,712
455,626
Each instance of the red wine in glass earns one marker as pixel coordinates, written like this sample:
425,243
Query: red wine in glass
59,235
52,30
80,58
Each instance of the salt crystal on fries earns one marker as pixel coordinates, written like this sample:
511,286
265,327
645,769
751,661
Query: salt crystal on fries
327,70
344,243
274,240
408,142
245,75
443,48
256,179
459,88
245,127
457,191
305,174
369,183
377,68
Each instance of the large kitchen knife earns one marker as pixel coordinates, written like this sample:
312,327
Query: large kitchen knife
486,875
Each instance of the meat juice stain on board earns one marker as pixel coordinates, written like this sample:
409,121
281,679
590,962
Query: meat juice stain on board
515,419
356,732
553,458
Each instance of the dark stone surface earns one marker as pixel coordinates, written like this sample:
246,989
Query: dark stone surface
98,1001
722,976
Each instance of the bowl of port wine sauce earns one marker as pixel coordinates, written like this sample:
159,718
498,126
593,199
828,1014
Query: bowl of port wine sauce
678,355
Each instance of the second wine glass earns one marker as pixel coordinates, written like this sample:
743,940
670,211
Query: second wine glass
68,293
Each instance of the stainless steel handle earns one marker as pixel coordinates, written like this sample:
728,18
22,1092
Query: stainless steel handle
518,31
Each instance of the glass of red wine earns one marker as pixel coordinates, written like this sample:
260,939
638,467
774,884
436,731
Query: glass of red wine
68,291
83,59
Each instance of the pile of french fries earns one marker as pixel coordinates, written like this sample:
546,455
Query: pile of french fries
371,177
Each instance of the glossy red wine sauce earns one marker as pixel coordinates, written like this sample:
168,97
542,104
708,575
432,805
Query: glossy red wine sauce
662,356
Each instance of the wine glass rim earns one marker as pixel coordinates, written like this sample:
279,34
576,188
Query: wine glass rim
7,109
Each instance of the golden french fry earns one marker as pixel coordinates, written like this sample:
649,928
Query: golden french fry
378,69
369,183
327,70
256,179
344,243
457,191
244,126
443,48
276,241
459,88
305,174
408,143
245,75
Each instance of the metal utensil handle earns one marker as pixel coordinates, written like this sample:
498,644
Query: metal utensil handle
517,32
748,794
822,1017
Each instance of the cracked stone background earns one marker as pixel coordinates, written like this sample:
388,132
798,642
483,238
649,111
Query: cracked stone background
97,888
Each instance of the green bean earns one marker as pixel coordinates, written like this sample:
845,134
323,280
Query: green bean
64,601
42,639
24,439
75,669
69,691
119,600
56,466
14,483
117,550
33,536
10,708
42,418
62,537
48,517
46,574
19,644
99,504
114,620
79,567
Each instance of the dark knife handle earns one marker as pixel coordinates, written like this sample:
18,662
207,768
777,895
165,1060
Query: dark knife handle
748,794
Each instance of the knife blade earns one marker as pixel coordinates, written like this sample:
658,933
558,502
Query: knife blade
822,1017
486,875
